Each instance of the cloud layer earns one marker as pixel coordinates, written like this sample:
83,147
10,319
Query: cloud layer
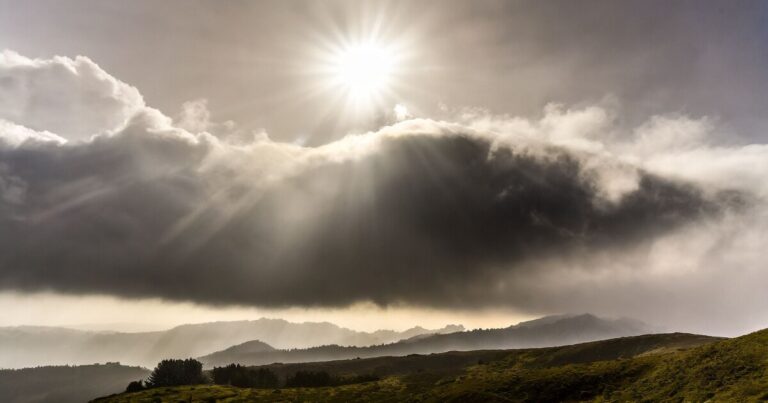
482,210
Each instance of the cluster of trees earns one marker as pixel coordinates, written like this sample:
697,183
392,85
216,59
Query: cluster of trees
172,373
190,372
177,372
244,377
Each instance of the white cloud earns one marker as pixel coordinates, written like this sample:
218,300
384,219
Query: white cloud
196,118
13,134
73,98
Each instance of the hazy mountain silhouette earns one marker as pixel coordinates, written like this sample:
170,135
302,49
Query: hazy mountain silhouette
27,346
66,384
544,332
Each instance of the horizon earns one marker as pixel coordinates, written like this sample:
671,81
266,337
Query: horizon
131,328
399,320
383,164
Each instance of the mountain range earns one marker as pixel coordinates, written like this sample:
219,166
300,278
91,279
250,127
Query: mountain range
27,346
544,332
65,384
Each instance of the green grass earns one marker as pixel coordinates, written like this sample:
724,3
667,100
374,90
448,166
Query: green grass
381,391
658,368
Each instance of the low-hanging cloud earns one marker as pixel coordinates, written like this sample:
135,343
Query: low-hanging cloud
480,211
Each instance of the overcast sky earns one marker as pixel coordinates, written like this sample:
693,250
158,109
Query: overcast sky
208,159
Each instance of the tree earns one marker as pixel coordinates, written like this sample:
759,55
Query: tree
177,372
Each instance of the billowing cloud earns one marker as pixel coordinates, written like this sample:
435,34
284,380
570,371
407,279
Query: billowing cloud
73,98
540,214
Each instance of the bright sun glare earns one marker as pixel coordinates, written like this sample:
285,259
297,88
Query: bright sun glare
364,70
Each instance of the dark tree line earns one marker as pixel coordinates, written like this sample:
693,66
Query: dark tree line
244,377
190,372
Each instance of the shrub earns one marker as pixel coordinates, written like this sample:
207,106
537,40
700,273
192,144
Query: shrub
135,386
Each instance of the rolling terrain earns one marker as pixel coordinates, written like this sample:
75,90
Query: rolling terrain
448,362
545,332
654,367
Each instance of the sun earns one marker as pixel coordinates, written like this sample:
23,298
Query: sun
360,75
365,71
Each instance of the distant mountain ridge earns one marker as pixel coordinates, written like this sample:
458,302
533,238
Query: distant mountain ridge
66,384
27,346
544,332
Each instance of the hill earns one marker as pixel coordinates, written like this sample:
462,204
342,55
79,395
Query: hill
625,347
27,346
544,332
647,367
65,384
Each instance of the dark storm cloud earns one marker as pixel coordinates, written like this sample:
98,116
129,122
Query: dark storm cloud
443,216
422,218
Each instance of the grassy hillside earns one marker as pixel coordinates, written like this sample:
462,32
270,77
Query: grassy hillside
651,367
442,363
728,370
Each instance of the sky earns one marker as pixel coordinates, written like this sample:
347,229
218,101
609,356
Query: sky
383,164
